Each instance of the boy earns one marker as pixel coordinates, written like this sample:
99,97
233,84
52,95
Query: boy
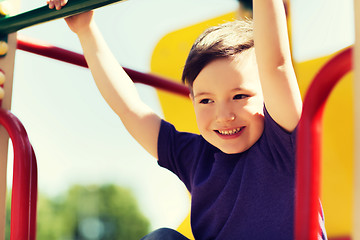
241,170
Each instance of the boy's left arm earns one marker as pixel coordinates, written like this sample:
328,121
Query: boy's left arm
280,89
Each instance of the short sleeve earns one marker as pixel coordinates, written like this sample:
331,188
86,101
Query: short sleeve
281,143
178,151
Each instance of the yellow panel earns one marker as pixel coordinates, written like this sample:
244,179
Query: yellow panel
337,193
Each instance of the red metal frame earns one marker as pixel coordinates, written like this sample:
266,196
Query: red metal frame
308,156
24,188
46,50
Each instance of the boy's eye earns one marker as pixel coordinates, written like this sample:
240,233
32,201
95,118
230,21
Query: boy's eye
240,96
206,101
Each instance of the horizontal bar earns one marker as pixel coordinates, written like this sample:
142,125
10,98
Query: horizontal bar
10,24
46,50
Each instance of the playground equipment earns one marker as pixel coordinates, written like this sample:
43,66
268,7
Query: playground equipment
44,14
309,145
24,190
46,50
307,183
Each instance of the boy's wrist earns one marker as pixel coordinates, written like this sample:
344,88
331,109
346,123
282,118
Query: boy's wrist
85,31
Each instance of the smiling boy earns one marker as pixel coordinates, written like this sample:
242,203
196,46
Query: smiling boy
240,170
229,112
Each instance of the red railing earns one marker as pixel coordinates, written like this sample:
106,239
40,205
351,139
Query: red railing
46,50
308,156
24,187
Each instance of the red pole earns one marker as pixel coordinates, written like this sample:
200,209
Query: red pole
24,190
33,194
308,158
46,50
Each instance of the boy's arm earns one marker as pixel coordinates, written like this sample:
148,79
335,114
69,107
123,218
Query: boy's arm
115,85
280,89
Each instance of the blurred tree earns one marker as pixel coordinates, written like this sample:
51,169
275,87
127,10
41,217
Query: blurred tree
90,213
49,221
106,212
8,212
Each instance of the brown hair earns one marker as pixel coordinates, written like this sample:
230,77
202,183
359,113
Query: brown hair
225,40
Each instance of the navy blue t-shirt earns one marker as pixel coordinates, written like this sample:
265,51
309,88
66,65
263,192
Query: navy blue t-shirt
249,195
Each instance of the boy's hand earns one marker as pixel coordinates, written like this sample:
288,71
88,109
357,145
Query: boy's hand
76,22
80,22
57,4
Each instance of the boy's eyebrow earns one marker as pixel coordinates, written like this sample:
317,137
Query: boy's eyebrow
208,93
201,94
237,89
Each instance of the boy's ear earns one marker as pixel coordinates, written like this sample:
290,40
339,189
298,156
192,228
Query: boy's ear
191,96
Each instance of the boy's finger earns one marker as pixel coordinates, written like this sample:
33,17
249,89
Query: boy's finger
58,4
63,2
51,4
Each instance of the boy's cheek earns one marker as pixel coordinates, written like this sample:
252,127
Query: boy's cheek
251,109
255,105
202,117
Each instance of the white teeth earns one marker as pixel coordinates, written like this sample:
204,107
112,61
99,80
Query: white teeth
229,132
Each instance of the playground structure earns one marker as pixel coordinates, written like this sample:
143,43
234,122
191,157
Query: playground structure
309,159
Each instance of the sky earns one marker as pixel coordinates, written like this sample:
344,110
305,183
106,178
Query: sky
76,136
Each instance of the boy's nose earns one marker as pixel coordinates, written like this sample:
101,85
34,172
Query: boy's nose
225,114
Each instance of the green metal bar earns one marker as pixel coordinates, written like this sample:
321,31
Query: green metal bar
44,14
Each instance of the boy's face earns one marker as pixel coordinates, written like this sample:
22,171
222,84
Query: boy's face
228,103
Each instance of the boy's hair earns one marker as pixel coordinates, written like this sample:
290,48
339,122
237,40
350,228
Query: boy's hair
223,41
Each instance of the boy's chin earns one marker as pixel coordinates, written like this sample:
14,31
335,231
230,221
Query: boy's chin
231,152
234,150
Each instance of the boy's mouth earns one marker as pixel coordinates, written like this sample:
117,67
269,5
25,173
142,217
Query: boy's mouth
230,132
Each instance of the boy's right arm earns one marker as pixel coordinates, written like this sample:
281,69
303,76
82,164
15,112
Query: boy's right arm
115,85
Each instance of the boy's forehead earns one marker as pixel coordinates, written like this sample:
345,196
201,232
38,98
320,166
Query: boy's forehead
238,72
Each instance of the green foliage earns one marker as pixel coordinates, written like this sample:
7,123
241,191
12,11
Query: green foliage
91,212
8,212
